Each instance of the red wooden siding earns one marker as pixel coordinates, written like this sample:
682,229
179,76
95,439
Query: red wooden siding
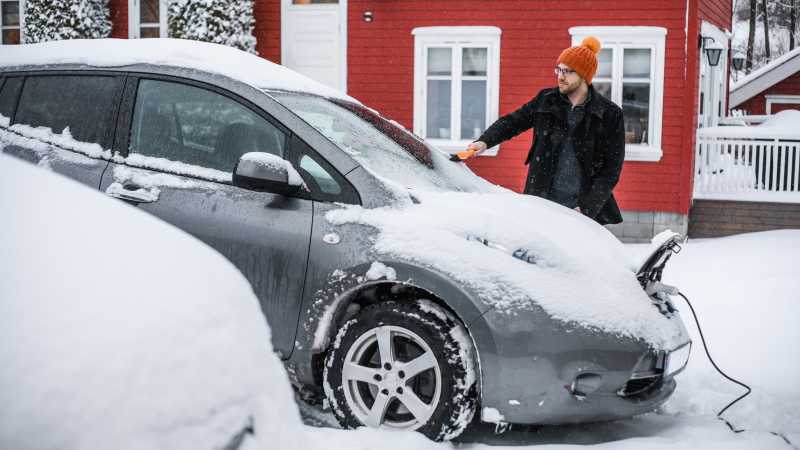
119,18
758,104
268,29
380,73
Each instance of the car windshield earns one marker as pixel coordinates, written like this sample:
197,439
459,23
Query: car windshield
381,146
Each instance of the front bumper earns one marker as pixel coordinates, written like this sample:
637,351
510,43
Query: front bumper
536,370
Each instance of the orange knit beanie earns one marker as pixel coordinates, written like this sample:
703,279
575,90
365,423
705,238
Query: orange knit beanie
582,58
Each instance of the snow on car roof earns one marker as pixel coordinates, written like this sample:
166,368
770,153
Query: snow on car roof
214,58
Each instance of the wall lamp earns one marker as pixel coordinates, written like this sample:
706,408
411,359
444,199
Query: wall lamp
712,53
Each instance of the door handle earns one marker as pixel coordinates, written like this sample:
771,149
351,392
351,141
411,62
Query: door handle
133,193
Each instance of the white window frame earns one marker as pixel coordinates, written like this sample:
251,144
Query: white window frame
134,18
456,38
620,38
781,100
21,23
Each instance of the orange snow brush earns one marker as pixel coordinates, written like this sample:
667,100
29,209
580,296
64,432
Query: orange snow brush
462,155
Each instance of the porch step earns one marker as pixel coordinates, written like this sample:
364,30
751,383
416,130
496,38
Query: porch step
716,218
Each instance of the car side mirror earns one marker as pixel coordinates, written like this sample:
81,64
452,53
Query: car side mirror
259,171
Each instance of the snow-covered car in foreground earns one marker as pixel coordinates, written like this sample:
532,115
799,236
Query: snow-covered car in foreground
398,283
114,334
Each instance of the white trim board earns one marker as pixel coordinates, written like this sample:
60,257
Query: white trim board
765,77
134,22
781,100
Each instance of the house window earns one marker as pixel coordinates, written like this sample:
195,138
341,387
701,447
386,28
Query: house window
147,18
11,21
456,80
630,73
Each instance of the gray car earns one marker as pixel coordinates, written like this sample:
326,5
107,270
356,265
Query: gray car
311,195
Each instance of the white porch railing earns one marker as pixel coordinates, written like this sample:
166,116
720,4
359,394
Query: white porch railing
748,164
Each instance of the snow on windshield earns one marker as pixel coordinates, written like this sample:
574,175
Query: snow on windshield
389,152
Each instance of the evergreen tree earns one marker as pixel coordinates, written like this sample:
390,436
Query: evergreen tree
218,21
50,20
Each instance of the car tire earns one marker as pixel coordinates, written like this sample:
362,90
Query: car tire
403,365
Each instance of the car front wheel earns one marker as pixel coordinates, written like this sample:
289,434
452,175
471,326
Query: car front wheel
402,365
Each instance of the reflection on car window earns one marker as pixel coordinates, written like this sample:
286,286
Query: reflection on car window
196,126
81,103
324,180
380,146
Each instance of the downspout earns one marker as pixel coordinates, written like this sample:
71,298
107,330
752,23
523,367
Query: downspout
691,98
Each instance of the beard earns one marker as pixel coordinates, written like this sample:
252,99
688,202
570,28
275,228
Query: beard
568,88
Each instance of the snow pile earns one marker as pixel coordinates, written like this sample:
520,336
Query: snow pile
218,21
781,125
52,20
119,330
745,290
581,273
214,58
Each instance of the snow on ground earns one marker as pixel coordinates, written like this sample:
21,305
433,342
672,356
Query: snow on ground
120,331
745,291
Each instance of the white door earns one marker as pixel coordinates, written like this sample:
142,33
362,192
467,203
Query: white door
314,39
713,78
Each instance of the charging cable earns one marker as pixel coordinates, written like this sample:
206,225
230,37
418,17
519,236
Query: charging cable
721,372
710,359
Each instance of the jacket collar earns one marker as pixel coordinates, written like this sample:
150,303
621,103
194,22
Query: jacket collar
555,103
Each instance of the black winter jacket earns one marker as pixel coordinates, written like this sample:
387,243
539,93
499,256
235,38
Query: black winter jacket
599,144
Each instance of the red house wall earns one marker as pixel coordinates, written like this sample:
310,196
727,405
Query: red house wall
267,14
533,35
758,104
119,18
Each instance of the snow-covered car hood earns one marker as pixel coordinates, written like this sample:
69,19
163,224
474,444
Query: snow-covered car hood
565,263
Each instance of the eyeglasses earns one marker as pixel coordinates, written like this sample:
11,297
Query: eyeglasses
562,71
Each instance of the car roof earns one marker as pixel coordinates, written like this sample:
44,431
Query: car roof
213,58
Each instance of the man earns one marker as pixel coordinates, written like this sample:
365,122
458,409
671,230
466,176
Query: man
579,146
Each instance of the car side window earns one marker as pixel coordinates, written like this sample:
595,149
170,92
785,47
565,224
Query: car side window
197,126
83,103
8,95
324,180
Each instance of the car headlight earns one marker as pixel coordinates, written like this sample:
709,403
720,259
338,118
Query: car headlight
677,359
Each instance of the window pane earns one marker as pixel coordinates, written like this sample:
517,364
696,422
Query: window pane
82,103
473,61
440,61
603,88
473,108
438,109
148,11
11,36
604,63
324,180
196,126
8,96
149,32
636,62
636,108
11,13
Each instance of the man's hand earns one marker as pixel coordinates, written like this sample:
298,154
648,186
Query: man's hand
578,208
478,147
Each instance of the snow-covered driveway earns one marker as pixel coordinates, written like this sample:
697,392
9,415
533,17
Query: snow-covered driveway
745,290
